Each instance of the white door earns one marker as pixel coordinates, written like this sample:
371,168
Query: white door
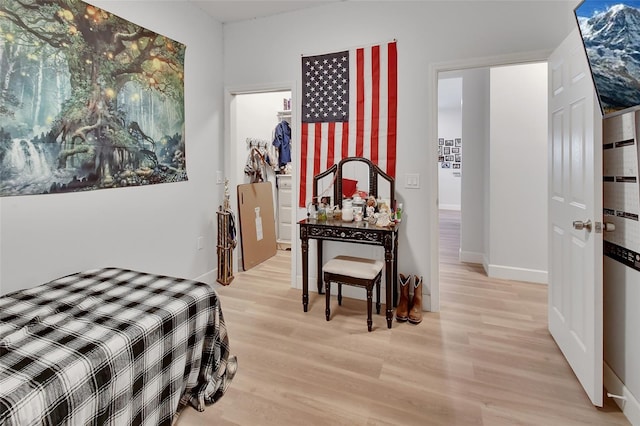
575,212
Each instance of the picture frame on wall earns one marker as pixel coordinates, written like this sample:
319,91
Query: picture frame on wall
458,142
446,165
447,150
458,158
448,142
449,158
456,165
455,150
441,141
440,159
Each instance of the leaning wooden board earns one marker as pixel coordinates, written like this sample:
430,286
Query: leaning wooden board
257,223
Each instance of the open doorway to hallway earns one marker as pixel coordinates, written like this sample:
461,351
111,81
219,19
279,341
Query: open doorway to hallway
502,120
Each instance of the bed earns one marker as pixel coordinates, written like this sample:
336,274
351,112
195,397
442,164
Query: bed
111,346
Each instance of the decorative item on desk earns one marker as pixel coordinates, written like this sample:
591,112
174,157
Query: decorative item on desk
383,220
330,212
322,213
399,213
371,206
358,205
311,211
347,211
349,187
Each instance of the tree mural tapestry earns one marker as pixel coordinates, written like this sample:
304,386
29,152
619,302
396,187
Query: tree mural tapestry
88,100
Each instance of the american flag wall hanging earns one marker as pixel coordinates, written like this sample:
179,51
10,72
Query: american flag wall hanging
349,108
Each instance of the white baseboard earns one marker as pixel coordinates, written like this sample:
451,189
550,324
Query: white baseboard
518,274
449,207
471,257
631,406
209,277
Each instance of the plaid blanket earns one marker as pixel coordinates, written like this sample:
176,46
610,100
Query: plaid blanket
111,346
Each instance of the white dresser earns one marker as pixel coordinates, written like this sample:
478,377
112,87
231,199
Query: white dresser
284,209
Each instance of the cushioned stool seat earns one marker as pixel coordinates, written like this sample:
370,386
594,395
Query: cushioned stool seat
356,271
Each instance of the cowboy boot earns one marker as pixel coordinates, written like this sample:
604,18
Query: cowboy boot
415,313
403,304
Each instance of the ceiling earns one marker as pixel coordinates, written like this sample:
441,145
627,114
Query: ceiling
241,10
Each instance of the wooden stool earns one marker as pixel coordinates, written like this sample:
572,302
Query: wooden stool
356,271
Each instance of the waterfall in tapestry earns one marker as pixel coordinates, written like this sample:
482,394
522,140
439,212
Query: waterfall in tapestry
88,100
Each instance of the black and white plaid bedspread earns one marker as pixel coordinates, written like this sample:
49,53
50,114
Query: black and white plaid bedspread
111,346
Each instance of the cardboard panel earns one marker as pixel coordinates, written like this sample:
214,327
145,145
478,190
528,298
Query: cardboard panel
257,223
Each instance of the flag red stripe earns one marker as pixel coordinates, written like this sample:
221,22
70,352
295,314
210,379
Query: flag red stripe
304,135
317,150
392,99
375,101
345,140
331,137
359,102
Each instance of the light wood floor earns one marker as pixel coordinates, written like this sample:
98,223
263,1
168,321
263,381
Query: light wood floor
485,359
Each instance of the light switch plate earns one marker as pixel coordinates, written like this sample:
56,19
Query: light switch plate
412,180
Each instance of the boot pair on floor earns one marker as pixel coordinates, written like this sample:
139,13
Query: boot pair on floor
405,310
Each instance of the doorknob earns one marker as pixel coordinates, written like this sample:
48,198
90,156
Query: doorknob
579,225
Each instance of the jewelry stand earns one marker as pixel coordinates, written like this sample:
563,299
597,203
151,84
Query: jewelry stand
226,239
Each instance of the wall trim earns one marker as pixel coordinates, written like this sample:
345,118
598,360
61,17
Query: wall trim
455,207
208,277
471,257
518,274
631,407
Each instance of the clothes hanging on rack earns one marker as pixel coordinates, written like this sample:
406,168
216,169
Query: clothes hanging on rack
282,141
256,167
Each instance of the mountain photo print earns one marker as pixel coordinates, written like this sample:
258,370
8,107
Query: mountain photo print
88,100
611,35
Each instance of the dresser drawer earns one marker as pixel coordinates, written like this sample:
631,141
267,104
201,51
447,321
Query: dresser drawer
284,214
284,197
284,181
284,231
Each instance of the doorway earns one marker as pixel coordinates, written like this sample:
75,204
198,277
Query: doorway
502,123
255,118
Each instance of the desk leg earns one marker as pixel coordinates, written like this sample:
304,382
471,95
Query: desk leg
319,268
395,269
389,272
305,268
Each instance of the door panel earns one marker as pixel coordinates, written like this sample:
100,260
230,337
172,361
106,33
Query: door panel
575,194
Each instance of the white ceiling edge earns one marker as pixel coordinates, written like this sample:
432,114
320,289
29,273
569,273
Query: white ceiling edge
243,10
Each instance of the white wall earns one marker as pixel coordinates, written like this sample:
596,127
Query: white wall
518,173
449,127
474,217
265,51
153,228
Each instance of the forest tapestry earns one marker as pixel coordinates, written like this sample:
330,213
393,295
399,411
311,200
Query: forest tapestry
88,100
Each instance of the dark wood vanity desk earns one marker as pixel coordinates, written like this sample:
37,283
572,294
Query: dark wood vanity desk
350,232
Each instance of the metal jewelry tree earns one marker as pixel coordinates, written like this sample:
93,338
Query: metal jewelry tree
226,239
